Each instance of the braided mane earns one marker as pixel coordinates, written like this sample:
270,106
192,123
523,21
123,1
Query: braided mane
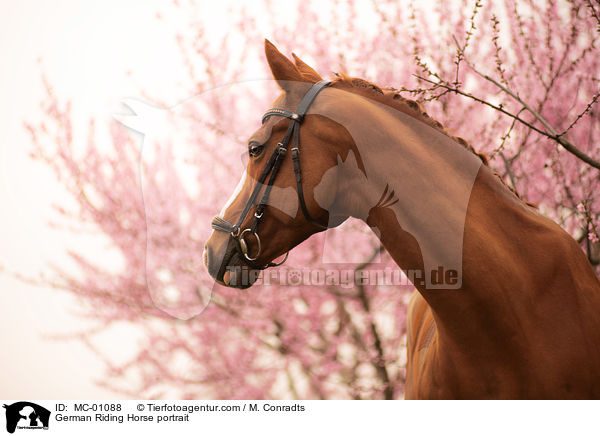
412,108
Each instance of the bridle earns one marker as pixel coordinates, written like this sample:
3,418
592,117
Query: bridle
272,167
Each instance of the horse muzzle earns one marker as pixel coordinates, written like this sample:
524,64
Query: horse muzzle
225,264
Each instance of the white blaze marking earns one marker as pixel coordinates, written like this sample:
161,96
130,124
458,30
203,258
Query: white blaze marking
238,189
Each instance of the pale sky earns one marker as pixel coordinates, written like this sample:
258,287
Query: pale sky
86,48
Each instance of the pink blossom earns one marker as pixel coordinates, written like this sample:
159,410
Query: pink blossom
309,341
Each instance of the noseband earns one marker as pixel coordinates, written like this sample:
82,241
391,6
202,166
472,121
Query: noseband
272,167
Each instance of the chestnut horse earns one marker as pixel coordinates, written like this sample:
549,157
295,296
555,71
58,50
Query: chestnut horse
518,312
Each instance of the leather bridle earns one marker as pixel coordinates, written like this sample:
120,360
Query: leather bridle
272,167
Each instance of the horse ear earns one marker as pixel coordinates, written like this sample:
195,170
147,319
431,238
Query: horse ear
306,71
282,68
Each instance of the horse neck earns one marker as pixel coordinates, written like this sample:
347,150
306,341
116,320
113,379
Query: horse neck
491,257
480,256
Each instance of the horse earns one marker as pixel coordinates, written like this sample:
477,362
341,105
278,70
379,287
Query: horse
506,305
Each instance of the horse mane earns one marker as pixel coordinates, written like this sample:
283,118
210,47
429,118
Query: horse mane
392,98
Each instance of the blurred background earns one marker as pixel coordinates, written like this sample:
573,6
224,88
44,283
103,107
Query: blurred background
85,51
78,317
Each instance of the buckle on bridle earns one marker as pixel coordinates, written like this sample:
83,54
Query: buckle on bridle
281,149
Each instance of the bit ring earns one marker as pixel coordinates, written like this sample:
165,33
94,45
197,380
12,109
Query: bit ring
244,246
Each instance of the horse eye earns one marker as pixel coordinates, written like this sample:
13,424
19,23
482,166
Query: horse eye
255,150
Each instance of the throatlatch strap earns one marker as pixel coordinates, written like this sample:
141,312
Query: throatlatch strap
298,174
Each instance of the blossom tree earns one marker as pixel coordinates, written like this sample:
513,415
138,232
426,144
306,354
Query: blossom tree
520,83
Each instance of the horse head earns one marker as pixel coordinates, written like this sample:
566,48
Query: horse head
293,210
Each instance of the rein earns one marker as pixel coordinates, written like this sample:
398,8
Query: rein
273,165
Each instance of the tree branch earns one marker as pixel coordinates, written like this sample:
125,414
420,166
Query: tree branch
382,371
479,100
558,137
552,133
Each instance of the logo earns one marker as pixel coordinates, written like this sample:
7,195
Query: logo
26,415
